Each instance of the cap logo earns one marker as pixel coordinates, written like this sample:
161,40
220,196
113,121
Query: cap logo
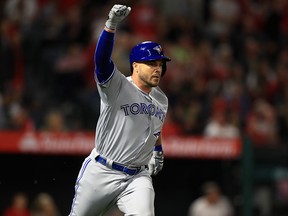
158,49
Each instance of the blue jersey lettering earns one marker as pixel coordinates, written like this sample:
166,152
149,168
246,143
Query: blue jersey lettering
142,108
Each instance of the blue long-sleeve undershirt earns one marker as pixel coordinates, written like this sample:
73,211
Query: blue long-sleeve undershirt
104,66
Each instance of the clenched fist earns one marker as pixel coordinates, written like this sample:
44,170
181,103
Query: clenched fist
116,15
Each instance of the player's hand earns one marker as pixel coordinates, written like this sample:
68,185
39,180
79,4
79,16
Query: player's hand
116,15
156,162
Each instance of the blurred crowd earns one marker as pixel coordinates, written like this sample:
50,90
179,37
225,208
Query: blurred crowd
43,204
228,75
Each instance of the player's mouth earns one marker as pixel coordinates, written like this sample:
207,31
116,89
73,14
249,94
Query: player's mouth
156,76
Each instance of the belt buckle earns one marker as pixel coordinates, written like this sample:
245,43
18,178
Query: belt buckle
130,171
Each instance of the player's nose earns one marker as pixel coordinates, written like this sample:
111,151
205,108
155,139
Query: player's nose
158,70
159,66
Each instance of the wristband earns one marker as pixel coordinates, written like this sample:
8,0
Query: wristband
158,148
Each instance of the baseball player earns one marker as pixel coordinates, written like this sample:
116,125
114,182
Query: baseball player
128,146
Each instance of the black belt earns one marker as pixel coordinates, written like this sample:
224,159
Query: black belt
119,167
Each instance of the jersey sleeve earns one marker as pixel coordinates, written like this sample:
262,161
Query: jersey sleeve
110,90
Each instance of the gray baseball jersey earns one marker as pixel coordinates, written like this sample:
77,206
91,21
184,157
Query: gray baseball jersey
128,127
130,121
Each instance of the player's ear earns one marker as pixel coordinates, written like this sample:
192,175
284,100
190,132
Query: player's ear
135,66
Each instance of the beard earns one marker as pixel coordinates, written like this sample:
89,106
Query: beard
149,80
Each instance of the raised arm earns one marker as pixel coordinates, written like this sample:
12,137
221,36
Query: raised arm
104,66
